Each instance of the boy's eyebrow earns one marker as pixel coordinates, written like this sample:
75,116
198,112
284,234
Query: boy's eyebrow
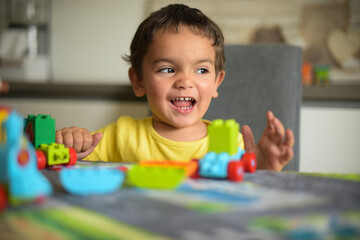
208,60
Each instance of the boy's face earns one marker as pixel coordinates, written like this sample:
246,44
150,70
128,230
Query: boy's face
178,77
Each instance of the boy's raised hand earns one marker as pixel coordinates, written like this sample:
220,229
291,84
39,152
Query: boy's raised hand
78,138
274,149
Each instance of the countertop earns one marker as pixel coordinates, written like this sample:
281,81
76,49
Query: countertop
332,93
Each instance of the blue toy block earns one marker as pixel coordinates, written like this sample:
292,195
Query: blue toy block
214,165
224,166
18,166
90,181
238,155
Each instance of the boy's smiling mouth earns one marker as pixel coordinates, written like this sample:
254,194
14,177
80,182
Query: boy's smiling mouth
183,103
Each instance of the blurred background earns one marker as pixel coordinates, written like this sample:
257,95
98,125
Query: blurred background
65,43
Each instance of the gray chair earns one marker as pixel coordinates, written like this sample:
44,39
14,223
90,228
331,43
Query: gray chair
260,78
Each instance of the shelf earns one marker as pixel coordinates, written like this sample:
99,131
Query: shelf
331,93
347,93
71,91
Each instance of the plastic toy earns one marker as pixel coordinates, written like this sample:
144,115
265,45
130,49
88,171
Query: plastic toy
40,129
223,165
19,175
55,154
223,136
3,198
88,181
222,161
155,176
322,74
41,132
307,73
190,167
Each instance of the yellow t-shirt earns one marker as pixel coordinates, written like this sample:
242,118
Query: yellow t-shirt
134,140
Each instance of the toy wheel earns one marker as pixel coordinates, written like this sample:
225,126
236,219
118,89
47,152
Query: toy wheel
235,171
3,198
41,159
73,156
249,161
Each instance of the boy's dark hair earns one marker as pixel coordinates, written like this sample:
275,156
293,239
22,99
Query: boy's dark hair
173,16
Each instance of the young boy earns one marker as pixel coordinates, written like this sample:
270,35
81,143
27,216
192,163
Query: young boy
177,61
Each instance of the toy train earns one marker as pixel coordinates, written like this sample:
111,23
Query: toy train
20,179
225,160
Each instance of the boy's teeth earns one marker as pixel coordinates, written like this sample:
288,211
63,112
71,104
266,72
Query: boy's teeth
180,102
183,99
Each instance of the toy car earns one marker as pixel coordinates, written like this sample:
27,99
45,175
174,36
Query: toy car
224,166
41,132
225,159
54,154
20,180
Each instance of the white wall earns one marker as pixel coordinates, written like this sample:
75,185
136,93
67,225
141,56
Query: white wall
87,114
90,36
330,140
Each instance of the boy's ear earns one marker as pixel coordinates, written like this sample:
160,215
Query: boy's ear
136,83
220,77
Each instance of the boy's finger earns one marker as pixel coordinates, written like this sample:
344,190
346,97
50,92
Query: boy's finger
287,156
68,140
269,124
248,137
96,139
78,141
279,131
289,138
87,140
58,137
82,155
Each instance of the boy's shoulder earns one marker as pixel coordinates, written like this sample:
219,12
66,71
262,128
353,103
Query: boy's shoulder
128,122
131,120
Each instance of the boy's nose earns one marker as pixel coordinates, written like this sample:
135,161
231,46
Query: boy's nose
184,82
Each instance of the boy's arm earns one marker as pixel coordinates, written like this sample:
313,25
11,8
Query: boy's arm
274,149
79,138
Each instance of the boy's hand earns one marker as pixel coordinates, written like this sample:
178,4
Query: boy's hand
274,149
78,138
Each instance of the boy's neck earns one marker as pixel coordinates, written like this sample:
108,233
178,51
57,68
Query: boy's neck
189,134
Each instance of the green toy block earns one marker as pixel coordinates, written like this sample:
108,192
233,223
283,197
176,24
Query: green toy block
40,129
223,136
55,153
155,176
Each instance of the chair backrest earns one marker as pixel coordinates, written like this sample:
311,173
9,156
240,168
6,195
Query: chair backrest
260,78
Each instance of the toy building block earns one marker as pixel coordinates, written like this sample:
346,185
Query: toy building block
221,166
40,129
190,167
91,181
18,172
56,154
249,162
223,136
224,166
155,177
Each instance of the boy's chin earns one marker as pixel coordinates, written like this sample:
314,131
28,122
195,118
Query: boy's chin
180,122
186,122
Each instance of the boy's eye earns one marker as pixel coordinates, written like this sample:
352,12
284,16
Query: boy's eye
166,70
202,70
